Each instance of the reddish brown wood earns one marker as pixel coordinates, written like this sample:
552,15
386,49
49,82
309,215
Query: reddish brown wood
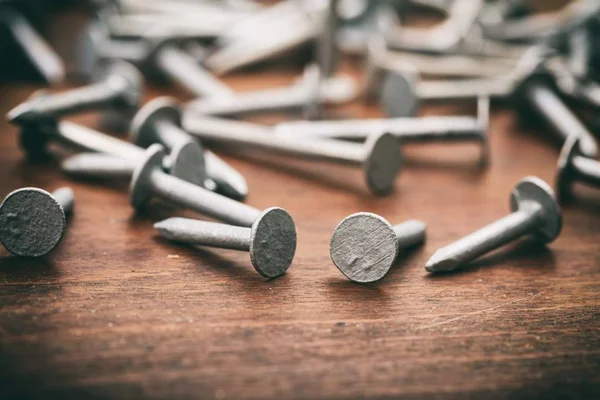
116,312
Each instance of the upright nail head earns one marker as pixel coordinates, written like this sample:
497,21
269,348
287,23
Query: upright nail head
383,162
32,222
364,247
398,97
143,126
532,190
140,189
273,242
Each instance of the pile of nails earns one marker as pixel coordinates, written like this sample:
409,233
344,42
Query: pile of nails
481,49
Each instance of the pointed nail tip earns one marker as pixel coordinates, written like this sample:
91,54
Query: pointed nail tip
20,115
439,263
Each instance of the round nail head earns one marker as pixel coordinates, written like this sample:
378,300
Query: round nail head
273,242
114,70
383,162
143,126
32,222
398,97
565,172
187,163
364,247
534,190
140,189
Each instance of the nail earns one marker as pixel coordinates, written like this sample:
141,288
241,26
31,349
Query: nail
183,69
273,40
119,88
364,246
34,140
271,240
379,156
35,48
159,121
307,95
406,130
33,221
536,91
326,51
535,213
149,180
574,166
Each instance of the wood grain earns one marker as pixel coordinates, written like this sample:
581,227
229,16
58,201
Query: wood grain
116,312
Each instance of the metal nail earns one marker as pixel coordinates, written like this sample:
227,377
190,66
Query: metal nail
149,180
574,166
35,48
272,40
181,67
536,91
327,54
34,140
159,121
535,212
120,87
33,221
97,165
364,246
307,95
271,240
407,130
379,155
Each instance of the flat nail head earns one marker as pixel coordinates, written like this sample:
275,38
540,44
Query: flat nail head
143,126
131,97
140,189
273,242
383,162
398,97
364,247
534,190
187,163
565,173
32,222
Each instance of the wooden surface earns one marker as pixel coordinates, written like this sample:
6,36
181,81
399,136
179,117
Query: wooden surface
116,312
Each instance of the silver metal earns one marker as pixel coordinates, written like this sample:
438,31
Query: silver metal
364,246
159,121
120,87
573,167
35,48
271,241
149,180
34,140
33,221
327,54
97,165
185,71
271,40
407,130
379,155
535,212
537,92
307,95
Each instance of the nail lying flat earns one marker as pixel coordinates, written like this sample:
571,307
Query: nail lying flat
364,246
379,156
535,212
120,88
33,221
149,180
271,240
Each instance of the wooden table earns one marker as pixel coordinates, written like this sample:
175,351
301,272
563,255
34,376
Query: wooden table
116,312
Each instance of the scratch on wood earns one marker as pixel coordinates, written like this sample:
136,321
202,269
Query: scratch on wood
479,312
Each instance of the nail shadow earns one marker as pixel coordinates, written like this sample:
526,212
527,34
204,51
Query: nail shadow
527,254
15,268
216,262
583,198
